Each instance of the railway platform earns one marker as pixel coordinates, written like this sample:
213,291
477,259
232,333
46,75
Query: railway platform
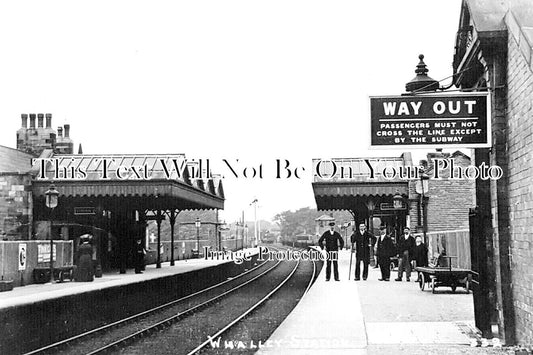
33,293
38,314
376,317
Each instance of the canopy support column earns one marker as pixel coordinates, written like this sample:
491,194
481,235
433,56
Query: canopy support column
172,217
159,219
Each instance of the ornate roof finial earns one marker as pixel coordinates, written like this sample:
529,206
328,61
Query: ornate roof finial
421,67
421,82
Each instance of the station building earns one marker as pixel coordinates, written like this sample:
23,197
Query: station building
393,192
490,220
110,197
494,53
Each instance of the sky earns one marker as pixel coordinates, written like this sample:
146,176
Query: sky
246,81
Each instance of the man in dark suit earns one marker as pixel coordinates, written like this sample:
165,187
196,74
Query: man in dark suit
363,242
406,246
333,242
140,251
385,250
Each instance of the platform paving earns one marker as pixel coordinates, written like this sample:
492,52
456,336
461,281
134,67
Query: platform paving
377,317
38,292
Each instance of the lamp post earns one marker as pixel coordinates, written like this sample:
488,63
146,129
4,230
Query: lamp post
397,204
254,202
197,223
51,201
422,188
237,225
246,234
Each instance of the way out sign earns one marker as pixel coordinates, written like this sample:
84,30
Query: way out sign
430,121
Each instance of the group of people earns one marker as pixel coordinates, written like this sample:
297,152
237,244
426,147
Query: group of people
407,249
86,258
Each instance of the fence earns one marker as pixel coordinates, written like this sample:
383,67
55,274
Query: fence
19,258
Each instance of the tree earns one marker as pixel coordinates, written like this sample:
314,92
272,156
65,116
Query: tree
303,220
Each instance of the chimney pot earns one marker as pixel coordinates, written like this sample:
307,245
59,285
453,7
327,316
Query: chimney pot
67,130
24,117
48,120
40,119
60,131
32,120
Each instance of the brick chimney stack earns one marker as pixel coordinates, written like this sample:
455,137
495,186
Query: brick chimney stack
34,139
64,145
32,120
48,120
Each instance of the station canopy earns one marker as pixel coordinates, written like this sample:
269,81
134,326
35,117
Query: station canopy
150,181
350,184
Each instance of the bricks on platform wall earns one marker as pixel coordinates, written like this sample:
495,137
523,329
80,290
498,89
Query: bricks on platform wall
443,213
520,170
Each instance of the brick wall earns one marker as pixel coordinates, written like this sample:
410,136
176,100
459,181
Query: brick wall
450,199
520,176
15,206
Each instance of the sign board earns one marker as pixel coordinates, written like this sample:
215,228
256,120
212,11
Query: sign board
22,256
154,217
81,211
43,253
430,121
390,207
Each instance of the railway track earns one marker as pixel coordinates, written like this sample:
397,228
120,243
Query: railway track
116,336
253,328
240,321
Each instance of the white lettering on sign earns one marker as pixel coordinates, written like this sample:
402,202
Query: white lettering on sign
454,107
430,120
470,103
403,108
439,107
43,253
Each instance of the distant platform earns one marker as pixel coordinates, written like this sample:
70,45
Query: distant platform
40,292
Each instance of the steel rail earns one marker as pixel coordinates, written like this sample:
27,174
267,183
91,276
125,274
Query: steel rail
238,319
178,316
312,278
141,314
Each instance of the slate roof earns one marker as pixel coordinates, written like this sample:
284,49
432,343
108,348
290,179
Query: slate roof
163,178
487,15
14,161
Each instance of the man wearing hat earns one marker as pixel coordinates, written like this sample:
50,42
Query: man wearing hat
385,250
361,243
334,242
405,246
140,251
